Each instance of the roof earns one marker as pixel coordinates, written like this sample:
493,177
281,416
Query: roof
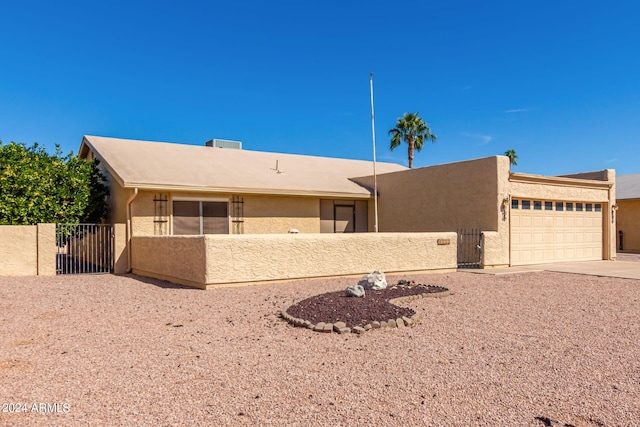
171,166
628,186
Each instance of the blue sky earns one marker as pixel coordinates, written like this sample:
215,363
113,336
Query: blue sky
558,81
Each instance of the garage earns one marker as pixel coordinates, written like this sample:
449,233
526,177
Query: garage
555,230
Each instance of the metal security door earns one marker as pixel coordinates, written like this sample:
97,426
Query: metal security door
469,248
84,249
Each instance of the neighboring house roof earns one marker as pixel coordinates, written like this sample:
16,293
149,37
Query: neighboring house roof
628,186
169,166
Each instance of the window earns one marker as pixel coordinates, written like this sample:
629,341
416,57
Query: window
570,206
537,205
598,207
200,217
514,203
578,207
589,207
560,206
526,204
548,206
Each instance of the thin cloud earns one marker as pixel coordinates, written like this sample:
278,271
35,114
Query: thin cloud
482,137
611,160
517,110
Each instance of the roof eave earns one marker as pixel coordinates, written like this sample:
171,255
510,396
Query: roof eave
248,190
557,180
86,146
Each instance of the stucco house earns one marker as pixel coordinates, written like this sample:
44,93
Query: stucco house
163,191
628,214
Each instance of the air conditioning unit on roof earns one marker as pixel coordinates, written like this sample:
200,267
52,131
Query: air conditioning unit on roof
224,143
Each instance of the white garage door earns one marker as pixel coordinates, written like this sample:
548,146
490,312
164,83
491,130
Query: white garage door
545,231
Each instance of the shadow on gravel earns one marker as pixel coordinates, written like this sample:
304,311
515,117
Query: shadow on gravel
160,283
548,422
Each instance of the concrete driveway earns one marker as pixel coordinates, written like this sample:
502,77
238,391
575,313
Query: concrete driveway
621,269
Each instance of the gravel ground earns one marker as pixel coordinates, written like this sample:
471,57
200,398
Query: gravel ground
533,349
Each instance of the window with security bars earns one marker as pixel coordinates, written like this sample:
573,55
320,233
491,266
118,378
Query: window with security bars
193,217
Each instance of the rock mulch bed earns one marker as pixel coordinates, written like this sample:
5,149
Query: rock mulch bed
338,312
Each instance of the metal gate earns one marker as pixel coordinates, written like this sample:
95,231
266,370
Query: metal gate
470,248
84,248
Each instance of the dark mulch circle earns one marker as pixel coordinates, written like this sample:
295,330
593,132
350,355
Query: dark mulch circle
335,307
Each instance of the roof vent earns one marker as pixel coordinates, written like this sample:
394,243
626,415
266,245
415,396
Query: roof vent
224,143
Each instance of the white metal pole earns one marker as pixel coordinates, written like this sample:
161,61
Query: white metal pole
373,142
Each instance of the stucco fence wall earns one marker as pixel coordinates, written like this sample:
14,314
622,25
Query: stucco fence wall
215,260
28,250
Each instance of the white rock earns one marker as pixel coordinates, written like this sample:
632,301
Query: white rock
374,281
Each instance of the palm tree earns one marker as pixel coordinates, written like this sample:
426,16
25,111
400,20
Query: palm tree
513,157
411,129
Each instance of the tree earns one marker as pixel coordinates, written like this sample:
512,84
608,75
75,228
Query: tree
513,157
411,129
38,187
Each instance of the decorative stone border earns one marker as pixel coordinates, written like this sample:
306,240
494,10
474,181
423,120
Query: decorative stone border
341,327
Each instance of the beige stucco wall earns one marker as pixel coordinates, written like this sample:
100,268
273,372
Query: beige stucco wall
628,221
235,259
440,198
179,259
18,250
279,214
495,251
120,256
544,191
27,250
449,197
118,197
261,214
46,249
142,214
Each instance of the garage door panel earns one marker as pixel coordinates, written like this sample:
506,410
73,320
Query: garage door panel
548,222
538,256
555,235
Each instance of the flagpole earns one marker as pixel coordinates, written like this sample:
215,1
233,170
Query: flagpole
373,142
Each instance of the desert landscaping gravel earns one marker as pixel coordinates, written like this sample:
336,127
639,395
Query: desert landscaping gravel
532,349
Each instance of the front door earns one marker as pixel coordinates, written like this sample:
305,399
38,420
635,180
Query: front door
344,219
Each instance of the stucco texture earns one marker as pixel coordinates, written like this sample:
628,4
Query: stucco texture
179,259
27,250
18,250
142,214
46,249
234,259
279,214
260,214
439,198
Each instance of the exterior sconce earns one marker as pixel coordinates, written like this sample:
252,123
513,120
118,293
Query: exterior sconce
614,208
503,207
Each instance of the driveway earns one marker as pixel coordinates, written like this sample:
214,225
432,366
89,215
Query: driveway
626,267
